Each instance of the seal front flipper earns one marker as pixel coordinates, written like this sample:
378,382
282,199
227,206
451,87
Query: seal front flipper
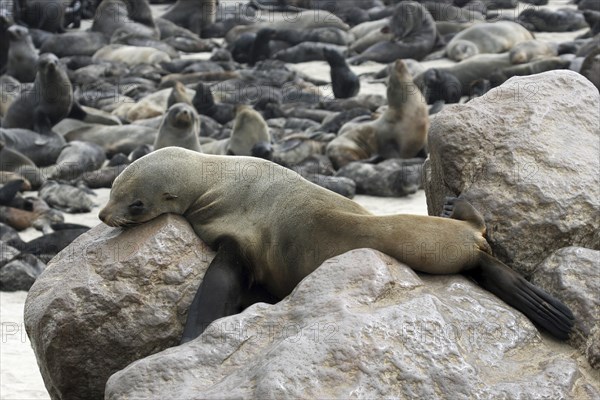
219,293
537,305
41,122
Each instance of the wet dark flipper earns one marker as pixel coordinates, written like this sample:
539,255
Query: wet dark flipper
219,294
540,307
226,289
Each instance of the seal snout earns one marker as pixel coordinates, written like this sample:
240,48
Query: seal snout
184,116
104,216
48,61
16,31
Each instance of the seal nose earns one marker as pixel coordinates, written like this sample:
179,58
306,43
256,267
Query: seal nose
103,215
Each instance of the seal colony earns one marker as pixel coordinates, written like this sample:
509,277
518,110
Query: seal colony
264,252
128,86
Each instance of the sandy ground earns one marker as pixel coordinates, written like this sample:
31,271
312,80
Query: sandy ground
20,378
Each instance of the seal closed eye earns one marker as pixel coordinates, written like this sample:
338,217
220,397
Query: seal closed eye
264,252
136,208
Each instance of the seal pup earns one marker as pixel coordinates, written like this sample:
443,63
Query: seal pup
344,82
179,127
264,252
400,132
22,55
205,104
50,100
65,197
250,136
260,50
9,190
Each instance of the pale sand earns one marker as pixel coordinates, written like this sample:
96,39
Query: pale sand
20,378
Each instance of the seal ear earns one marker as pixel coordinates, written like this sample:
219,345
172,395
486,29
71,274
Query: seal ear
169,196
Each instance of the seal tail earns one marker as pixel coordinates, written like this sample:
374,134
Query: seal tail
540,307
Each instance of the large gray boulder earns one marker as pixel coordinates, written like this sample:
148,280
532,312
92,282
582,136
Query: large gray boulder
110,298
365,326
527,156
573,274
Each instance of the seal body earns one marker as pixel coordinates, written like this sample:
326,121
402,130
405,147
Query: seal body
180,127
50,100
272,228
414,35
131,16
22,56
281,253
250,136
401,131
344,82
496,37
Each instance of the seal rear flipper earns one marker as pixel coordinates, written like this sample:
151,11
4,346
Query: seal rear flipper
220,293
540,307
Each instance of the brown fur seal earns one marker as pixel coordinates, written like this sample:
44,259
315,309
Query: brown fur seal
400,132
459,77
178,95
132,16
414,33
496,37
22,55
180,127
531,50
50,100
194,15
250,136
272,228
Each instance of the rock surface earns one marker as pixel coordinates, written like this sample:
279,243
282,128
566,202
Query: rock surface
112,297
20,272
394,177
526,156
363,325
573,274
